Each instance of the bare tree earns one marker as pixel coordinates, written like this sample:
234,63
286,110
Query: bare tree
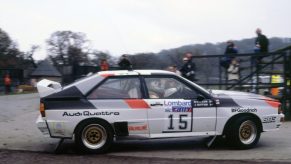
29,55
97,56
67,47
5,42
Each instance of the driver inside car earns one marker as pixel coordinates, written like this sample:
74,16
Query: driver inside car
156,89
172,89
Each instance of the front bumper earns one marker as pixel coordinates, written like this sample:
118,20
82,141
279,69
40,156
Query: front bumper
42,126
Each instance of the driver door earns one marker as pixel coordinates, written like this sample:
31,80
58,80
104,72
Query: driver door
174,107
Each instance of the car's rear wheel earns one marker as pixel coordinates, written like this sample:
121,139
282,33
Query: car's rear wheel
93,136
244,133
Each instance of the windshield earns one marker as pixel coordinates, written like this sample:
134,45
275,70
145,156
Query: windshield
197,86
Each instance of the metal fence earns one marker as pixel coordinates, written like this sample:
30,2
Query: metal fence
271,73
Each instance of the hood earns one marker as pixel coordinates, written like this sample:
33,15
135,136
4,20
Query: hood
239,95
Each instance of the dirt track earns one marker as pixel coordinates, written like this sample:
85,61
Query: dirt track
23,157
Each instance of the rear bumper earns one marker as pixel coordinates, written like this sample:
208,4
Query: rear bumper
42,126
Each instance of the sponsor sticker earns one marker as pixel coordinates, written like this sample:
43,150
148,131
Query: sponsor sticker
138,128
269,119
177,103
59,128
179,109
87,113
244,110
178,106
203,103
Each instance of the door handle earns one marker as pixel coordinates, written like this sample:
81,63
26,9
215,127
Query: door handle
157,104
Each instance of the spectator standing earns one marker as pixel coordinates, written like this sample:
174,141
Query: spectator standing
229,53
7,83
261,42
229,50
189,67
174,69
104,66
233,71
124,63
261,46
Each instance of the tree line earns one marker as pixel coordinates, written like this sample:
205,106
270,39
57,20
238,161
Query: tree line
74,48
64,48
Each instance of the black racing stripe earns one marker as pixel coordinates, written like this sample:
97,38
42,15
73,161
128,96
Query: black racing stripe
68,104
70,98
226,101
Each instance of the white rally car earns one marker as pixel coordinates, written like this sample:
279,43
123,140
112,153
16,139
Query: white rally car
150,104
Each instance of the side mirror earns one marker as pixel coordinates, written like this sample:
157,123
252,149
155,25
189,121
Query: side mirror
200,97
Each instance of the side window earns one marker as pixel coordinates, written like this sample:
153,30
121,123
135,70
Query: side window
169,88
117,88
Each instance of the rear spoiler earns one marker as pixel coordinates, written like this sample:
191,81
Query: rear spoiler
46,87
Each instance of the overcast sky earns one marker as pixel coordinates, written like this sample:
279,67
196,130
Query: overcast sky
131,26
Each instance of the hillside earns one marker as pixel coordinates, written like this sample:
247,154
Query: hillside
173,56
207,69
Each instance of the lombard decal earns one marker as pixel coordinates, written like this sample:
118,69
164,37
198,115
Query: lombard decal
179,109
177,103
138,128
204,103
269,119
87,113
244,110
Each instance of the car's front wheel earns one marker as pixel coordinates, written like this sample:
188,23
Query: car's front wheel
93,136
244,133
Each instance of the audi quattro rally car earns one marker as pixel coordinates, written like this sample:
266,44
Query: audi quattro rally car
150,104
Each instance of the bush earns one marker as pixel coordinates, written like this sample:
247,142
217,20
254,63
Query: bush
26,88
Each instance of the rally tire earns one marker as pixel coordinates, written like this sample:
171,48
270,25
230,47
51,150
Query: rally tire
93,136
244,133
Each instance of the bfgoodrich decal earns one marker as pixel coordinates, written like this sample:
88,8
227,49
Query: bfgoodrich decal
244,110
87,113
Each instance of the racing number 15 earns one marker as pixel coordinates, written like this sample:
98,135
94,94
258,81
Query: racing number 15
182,123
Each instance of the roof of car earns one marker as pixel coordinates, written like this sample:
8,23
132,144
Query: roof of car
134,72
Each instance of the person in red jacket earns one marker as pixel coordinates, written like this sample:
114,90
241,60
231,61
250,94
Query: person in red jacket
7,83
104,66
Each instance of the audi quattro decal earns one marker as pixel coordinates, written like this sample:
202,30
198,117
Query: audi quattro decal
88,113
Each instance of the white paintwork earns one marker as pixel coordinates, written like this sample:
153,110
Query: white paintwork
206,121
44,89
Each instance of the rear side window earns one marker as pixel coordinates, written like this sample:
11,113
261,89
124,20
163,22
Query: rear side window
118,88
